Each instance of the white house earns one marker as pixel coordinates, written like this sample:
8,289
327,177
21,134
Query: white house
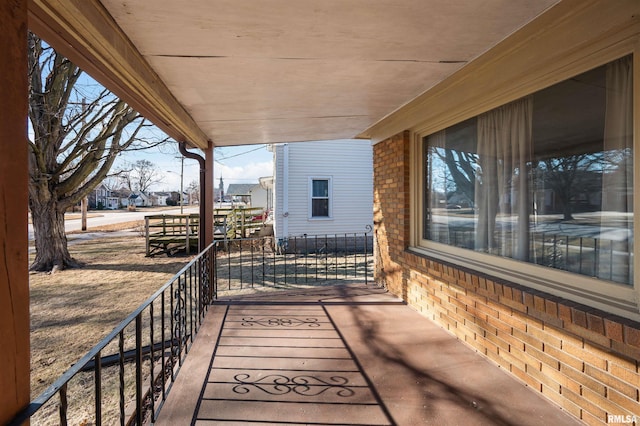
159,198
252,194
266,183
323,187
259,196
139,199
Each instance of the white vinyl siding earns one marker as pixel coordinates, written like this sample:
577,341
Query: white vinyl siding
349,164
278,190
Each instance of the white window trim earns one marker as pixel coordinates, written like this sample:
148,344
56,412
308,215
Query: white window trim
610,297
309,206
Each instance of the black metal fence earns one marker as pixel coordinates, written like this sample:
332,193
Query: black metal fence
296,261
127,376
125,379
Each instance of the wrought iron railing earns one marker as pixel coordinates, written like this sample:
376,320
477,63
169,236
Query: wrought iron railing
130,372
295,261
125,379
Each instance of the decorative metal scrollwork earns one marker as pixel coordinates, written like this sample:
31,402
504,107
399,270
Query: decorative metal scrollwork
279,384
180,310
280,322
205,280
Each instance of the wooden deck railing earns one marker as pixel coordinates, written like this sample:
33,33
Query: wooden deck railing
172,233
166,233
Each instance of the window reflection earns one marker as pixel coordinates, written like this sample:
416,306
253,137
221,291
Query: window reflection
546,179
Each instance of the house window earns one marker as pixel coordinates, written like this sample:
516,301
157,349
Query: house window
320,200
546,179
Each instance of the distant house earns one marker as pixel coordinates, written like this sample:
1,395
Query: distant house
98,197
159,198
139,199
102,198
173,198
121,196
252,194
323,187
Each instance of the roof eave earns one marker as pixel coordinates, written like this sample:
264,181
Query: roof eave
85,32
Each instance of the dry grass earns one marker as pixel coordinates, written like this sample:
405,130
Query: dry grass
136,224
70,216
74,309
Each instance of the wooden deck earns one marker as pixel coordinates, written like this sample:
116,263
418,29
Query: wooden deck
236,222
167,234
171,233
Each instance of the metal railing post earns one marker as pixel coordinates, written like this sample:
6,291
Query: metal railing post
139,396
97,378
146,233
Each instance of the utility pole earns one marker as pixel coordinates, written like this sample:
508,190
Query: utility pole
221,187
84,204
181,184
181,198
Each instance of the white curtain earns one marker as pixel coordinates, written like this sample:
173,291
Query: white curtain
502,181
618,135
617,183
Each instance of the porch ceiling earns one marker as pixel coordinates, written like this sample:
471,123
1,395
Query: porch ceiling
266,71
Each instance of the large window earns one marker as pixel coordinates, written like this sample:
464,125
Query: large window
320,200
546,179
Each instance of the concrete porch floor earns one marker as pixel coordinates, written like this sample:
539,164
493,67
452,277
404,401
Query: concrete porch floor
347,355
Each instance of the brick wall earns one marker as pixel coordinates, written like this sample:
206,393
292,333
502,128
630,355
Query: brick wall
584,360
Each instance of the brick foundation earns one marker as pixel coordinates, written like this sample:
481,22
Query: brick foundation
584,360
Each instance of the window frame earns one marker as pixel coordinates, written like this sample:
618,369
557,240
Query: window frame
611,297
329,197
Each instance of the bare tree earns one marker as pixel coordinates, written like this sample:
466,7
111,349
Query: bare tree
571,175
462,168
112,182
193,189
76,138
140,176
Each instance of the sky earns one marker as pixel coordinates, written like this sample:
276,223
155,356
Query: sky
241,164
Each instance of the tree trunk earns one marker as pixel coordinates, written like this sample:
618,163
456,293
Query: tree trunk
50,238
566,210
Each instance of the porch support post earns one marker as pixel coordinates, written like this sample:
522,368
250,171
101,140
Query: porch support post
209,194
14,276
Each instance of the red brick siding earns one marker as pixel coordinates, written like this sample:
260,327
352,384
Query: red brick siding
584,360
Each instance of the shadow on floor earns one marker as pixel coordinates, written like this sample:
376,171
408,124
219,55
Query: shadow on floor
344,355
